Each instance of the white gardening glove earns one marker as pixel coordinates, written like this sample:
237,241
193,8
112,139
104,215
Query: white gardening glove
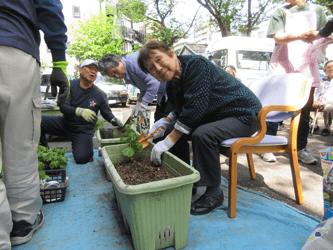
163,122
159,149
140,109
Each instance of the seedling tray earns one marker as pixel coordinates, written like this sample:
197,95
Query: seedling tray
56,194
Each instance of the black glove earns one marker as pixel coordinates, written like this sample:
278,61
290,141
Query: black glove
59,78
116,122
327,29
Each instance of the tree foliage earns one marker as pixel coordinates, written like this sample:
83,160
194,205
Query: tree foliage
256,13
224,12
133,9
95,37
325,3
163,23
231,16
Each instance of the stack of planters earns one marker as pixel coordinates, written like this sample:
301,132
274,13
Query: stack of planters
53,177
156,214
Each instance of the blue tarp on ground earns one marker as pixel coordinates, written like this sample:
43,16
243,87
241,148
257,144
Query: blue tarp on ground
89,219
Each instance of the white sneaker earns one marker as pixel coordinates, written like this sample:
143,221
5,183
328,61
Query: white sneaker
268,157
305,157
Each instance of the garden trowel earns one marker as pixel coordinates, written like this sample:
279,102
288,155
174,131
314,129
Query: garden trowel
143,140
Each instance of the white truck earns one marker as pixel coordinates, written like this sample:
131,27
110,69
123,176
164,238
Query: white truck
250,56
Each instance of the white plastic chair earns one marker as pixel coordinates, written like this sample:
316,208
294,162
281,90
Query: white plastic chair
282,97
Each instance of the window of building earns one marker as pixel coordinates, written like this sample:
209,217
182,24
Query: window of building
76,12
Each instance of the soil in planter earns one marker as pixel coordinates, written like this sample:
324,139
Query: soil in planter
140,171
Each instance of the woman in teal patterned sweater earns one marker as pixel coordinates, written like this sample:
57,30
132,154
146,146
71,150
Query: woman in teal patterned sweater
210,106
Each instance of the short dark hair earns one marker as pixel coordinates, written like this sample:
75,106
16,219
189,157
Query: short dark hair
107,61
230,66
325,66
145,50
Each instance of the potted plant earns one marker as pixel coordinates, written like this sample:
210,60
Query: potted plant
157,213
52,158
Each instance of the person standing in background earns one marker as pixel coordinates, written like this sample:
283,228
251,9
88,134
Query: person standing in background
20,109
294,28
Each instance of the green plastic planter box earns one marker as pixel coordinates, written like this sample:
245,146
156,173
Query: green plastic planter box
51,111
156,214
109,136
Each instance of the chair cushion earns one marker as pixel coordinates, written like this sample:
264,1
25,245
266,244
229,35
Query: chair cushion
269,140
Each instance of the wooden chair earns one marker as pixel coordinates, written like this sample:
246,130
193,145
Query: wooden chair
282,97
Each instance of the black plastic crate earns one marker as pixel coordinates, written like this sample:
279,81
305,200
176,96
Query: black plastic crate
56,194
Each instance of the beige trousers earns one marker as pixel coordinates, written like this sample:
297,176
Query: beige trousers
20,117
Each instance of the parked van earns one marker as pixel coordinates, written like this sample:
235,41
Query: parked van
115,89
133,93
250,56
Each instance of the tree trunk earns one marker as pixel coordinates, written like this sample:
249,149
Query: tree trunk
249,19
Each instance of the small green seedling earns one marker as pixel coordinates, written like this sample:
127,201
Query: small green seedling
132,141
99,125
55,157
42,174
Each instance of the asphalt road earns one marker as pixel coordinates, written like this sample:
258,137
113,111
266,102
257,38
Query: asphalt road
273,179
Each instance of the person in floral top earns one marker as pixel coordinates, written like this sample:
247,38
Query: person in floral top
324,97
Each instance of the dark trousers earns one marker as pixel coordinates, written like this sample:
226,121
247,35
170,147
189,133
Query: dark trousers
82,141
303,127
181,149
206,140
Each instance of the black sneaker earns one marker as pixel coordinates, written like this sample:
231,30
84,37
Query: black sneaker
325,132
23,231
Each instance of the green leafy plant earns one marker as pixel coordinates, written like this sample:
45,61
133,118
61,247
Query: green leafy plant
42,174
99,125
132,145
54,157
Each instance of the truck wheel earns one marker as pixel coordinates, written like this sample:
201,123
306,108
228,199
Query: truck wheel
123,104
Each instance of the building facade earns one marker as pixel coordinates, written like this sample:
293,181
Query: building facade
75,10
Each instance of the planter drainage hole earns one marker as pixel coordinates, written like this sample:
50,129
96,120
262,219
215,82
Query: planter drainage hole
165,234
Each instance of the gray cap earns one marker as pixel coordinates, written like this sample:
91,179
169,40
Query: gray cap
88,62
